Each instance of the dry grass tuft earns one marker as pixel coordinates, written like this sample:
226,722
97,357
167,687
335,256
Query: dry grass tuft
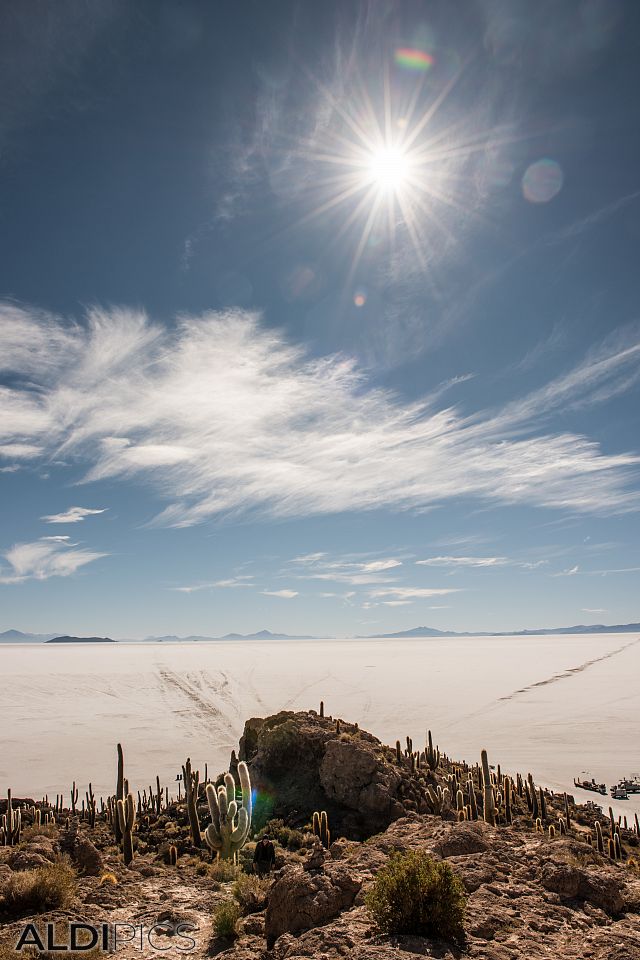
34,891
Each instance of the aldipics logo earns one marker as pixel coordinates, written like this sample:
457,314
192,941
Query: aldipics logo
109,937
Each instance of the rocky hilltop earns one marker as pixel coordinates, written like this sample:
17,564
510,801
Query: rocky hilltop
540,877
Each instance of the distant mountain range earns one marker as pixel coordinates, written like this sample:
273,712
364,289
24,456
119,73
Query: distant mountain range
17,636
581,628
261,635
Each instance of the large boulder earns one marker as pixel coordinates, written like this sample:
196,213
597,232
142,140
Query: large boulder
301,899
301,762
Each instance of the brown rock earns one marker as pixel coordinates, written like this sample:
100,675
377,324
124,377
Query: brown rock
299,899
87,857
352,775
571,883
37,853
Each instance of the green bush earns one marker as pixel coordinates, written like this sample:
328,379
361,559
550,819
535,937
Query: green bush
225,918
286,836
415,894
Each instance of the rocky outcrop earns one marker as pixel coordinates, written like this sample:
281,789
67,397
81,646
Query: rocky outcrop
347,772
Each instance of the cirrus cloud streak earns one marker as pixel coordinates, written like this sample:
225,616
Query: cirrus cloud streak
223,416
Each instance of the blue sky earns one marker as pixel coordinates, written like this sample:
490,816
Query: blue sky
318,317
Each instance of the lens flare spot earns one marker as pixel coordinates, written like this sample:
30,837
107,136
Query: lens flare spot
360,298
542,181
409,58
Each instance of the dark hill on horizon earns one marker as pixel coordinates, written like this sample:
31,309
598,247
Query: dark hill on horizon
81,640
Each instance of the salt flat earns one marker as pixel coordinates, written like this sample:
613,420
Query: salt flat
557,706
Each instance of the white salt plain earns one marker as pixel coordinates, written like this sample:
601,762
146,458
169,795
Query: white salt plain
557,706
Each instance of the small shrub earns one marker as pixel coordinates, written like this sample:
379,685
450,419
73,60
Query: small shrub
223,871
225,918
45,888
286,836
202,870
415,894
250,892
108,878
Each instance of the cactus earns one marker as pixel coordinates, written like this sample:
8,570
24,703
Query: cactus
599,840
567,816
11,824
127,819
337,727
489,809
230,825
398,752
173,855
191,785
552,831
473,805
119,795
322,709
74,798
159,792
91,806
543,806
320,826
431,756
508,786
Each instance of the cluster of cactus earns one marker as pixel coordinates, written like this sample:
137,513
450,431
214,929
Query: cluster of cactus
320,826
152,802
439,799
11,824
431,755
230,820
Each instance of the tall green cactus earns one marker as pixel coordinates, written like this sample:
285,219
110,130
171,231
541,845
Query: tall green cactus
119,794
230,825
127,819
191,786
489,804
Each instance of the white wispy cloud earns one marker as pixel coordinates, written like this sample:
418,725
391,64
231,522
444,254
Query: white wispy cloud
594,610
569,572
284,594
45,558
20,451
231,583
464,562
411,593
72,515
223,416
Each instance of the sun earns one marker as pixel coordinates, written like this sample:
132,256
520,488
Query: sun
388,168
